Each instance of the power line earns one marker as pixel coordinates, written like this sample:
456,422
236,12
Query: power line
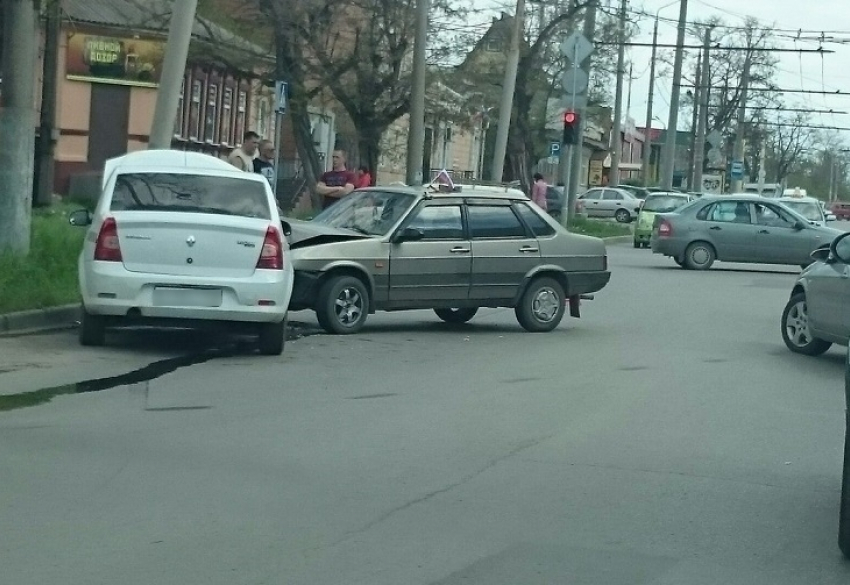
779,90
718,48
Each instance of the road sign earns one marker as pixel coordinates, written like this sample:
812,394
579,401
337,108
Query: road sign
576,48
281,88
715,157
736,170
554,149
714,138
574,81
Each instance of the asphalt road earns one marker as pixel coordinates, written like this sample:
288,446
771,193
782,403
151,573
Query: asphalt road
666,438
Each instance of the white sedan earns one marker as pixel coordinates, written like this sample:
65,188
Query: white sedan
184,239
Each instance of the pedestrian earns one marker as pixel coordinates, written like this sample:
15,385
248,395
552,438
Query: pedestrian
264,163
243,157
538,191
337,182
363,178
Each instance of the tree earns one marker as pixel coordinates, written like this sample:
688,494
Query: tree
786,143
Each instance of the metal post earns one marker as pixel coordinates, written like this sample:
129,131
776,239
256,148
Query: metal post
669,157
647,141
564,168
616,131
738,152
578,151
702,122
508,86
416,136
694,122
278,123
17,124
173,70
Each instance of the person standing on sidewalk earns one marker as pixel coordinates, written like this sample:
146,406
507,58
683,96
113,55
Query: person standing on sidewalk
264,163
538,191
243,157
336,183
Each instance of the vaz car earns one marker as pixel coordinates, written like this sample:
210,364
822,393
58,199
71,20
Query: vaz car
395,248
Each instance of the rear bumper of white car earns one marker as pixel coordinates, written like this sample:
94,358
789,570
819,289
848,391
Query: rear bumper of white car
109,289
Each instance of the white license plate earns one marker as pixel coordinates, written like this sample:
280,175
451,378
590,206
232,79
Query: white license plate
186,297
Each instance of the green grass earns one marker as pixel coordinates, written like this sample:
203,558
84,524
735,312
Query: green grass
47,277
598,228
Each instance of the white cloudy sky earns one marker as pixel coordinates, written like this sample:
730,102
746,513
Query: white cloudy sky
829,72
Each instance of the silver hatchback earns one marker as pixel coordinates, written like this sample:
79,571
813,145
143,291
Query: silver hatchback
395,248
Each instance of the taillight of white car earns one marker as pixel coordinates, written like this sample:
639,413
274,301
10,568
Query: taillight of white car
271,255
108,248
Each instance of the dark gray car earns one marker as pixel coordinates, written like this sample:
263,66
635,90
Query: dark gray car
394,248
737,228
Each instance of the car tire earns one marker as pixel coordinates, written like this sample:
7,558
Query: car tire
456,316
647,245
343,305
623,216
541,306
92,329
699,256
844,513
638,244
272,338
795,328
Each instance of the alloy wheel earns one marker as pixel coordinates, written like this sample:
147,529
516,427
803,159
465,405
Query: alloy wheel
348,306
546,304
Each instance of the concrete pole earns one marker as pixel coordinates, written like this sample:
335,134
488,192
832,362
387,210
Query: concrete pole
694,122
173,70
647,144
508,86
616,131
416,135
17,124
702,122
669,157
578,167
738,152
47,130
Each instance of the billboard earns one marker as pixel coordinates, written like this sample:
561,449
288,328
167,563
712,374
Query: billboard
116,60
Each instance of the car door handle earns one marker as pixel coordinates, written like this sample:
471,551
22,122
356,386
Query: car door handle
716,228
764,231
529,250
459,250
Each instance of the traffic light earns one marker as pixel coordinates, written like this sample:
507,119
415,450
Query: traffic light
571,127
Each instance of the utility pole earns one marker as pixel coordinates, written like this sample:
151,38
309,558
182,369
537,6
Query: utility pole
43,193
616,131
702,122
508,86
416,135
647,140
669,157
173,70
738,152
17,124
578,150
694,122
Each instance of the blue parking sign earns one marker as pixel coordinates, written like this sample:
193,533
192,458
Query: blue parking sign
554,149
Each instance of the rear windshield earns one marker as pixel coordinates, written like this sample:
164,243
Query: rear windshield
664,203
190,194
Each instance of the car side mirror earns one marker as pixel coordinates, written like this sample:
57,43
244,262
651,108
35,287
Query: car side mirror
80,217
822,254
839,249
800,225
830,217
287,229
409,235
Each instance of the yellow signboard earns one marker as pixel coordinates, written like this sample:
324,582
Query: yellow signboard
123,61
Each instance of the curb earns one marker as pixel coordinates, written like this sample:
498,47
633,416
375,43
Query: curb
52,318
618,240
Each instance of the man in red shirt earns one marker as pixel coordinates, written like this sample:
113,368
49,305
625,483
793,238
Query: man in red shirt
336,183
364,178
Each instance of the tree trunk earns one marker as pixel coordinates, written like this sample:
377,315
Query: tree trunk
369,135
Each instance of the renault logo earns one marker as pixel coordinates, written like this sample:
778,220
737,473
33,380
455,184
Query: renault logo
190,241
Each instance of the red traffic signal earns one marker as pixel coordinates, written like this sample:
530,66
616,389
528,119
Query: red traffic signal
571,128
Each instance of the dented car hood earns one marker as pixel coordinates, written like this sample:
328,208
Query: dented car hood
311,233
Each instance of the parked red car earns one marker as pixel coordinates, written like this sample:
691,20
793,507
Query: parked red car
841,209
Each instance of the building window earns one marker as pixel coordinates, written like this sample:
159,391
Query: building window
210,113
195,110
178,119
241,109
227,116
263,128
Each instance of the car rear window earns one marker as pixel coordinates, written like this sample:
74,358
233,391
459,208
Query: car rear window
537,224
664,203
188,193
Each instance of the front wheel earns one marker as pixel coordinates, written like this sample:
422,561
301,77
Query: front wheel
542,305
272,338
699,256
456,315
623,216
795,328
343,304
